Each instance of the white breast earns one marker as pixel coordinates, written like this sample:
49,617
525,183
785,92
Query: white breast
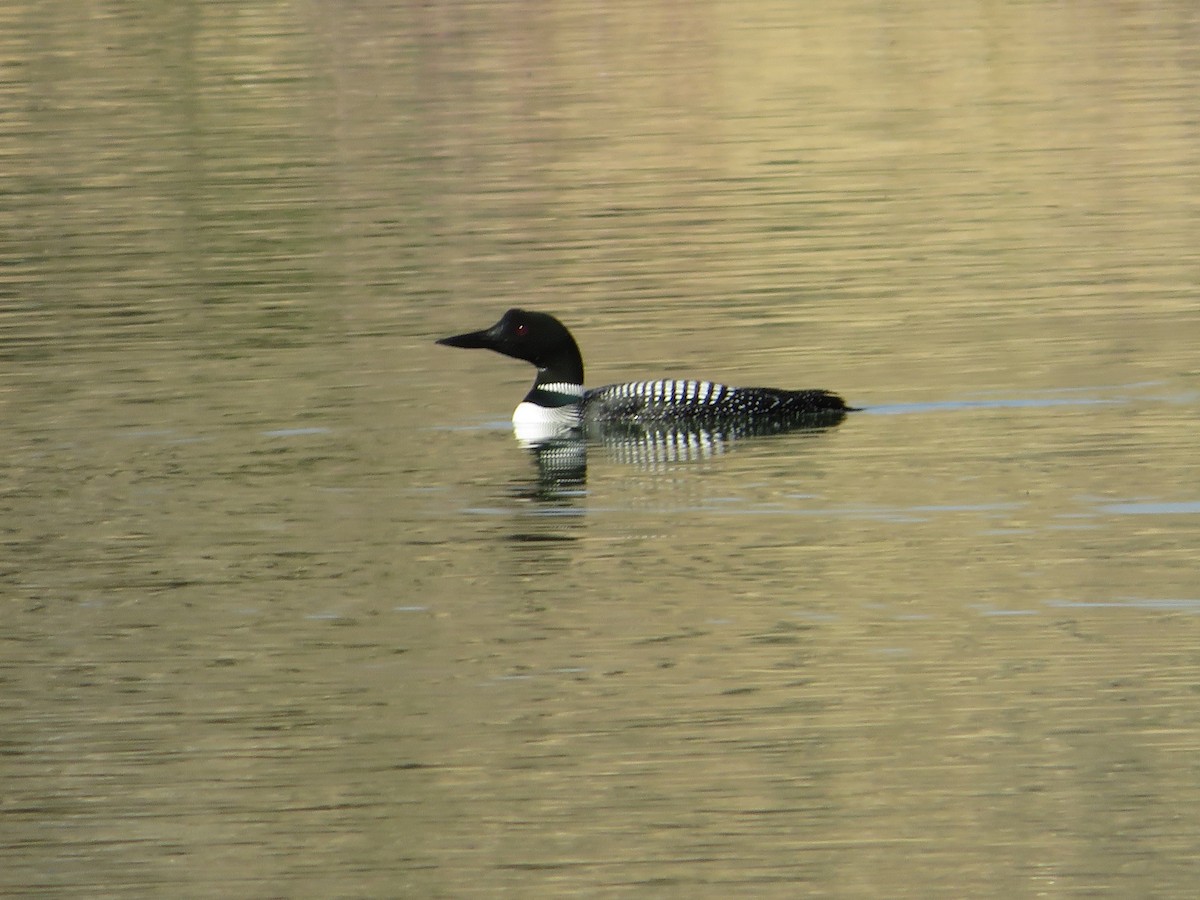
533,424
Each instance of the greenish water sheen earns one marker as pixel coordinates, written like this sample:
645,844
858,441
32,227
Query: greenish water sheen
289,613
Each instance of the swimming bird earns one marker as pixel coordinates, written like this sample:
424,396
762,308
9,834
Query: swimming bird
558,404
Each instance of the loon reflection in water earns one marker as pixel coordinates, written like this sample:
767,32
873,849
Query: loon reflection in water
655,421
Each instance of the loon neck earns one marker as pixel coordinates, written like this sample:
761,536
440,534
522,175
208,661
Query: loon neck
553,394
562,365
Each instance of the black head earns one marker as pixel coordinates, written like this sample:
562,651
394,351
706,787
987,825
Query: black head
535,337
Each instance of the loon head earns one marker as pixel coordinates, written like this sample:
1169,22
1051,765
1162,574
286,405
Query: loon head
535,337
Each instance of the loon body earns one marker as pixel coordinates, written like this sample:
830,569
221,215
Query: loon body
558,402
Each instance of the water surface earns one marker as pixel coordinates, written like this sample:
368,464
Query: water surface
289,612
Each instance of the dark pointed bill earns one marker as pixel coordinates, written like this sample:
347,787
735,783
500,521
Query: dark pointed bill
472,340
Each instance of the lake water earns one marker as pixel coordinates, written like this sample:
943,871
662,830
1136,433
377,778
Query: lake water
288,612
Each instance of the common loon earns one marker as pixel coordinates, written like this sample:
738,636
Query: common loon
558,404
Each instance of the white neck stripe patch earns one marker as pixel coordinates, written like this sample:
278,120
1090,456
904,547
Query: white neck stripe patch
561,387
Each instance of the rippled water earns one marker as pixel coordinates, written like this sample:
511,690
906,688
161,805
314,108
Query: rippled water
290,613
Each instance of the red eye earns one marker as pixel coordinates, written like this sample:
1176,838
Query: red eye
522,330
